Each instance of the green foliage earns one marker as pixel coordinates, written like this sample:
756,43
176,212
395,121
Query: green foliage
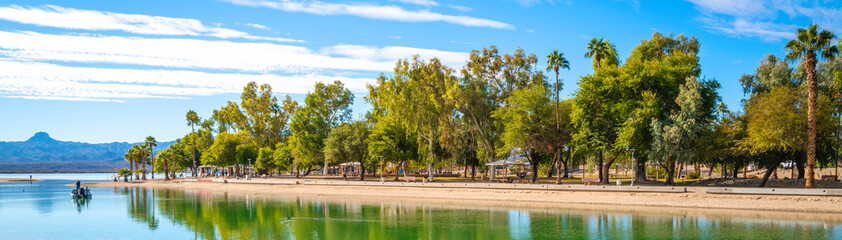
265,159
124,173
529,124
347,143
223,152
326,107
246,154
603,53
282,157
692,175
393,141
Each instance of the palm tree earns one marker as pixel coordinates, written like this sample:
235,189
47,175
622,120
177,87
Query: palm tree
143,158
598,49
556,61
129,156
151,143
804,47
193,120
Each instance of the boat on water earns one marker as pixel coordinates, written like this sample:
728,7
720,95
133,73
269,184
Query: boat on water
81,193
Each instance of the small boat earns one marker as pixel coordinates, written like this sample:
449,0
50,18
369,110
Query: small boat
81,193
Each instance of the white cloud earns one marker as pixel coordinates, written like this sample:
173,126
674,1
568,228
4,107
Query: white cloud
69,18
395,37
760,19
258,26
374,54
459,8
426,3
370,11
54,82
193,53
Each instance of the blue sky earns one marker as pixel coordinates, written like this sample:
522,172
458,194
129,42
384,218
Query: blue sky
104,71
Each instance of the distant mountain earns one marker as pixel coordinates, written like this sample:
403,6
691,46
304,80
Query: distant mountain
41,153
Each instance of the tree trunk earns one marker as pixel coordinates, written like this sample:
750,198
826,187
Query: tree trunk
362,170
535,172
772,169
432,157
143,163
599,167
812,82
297,172
670,169
606,169
193,143
397,166
310,168
473,170
136,176
553,168
800,167
558,167
152,163
403,168
325,169
166,173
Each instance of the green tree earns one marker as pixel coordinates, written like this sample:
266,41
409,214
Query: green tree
805,47
392,140
674,137
488,79
223,151
265,162
774,121
325,108
131,157
192,121
150,144
529,126
417,94
347,143
246,155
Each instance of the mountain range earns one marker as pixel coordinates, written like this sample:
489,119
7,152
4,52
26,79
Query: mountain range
42,153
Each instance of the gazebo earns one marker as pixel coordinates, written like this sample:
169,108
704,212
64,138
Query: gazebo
505,163
352,167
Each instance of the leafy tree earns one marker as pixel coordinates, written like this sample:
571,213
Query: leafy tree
674,137
529,126
265,162
417,94
614,107
283,157
131,157
775,119
325,108
193,120
392,140
223,152
246,155
806,45
488,79
347,143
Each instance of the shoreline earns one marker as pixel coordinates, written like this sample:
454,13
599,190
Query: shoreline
18,180
694,198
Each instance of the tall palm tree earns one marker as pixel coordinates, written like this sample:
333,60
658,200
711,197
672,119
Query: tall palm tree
598,49
129,156
150,144
193,120
556,61
143,158
804,47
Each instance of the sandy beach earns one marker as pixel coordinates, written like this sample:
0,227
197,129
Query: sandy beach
694,198
18,180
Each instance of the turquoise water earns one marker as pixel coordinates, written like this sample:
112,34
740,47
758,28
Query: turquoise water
44,210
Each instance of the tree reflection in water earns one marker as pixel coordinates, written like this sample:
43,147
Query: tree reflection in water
223,216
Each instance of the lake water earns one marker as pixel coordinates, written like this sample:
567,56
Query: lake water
44,210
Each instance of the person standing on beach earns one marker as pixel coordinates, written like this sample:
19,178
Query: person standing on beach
78,184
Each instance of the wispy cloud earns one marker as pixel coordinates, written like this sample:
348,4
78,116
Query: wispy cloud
395,37
178,53
380,12
759,19
69,18
54,82
426,3
375,54
257,26
459,8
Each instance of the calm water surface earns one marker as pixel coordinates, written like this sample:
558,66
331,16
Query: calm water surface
44,210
